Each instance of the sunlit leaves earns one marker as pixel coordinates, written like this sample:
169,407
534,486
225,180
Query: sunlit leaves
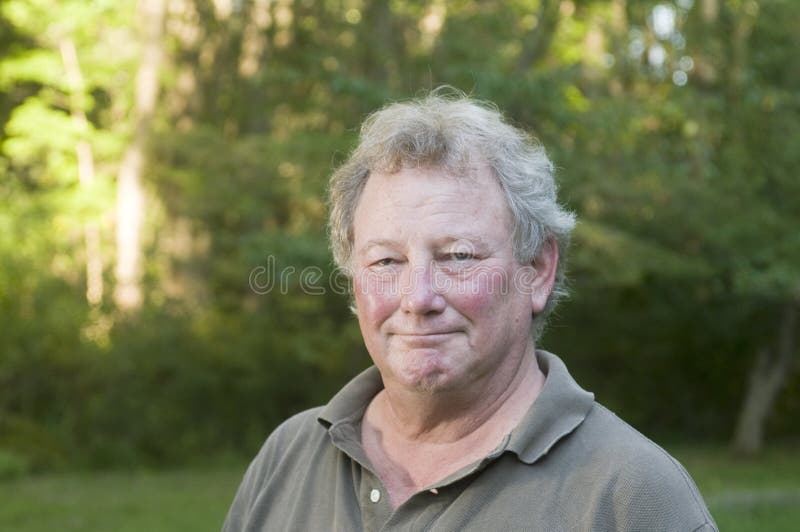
36,131
40,66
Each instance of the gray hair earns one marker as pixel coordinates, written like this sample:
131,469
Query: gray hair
447,131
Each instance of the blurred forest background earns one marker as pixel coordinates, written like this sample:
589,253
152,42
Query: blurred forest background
154,154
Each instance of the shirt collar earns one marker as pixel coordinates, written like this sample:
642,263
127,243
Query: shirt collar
343,413
561,406
349,404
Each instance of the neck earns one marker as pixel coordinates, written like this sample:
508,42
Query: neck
494,404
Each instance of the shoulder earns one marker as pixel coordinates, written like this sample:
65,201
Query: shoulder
646,486
626,449
294,428
296,437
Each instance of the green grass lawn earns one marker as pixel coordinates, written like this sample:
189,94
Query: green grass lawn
747,495
171,501
743,495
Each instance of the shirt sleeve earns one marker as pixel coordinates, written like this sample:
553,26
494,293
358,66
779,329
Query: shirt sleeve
656,493
253,481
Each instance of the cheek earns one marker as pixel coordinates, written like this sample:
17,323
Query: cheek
375,300
492,298
479,296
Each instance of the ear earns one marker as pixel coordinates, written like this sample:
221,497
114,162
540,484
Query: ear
544,264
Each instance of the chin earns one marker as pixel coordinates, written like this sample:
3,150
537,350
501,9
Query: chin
427,385
425,372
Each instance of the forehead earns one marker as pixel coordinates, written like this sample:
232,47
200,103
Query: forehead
432,201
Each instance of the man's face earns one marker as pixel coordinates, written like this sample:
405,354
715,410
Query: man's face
440,298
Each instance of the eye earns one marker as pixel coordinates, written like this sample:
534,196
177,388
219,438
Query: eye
387,261
460,255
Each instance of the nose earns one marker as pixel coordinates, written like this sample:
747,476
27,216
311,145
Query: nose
420,293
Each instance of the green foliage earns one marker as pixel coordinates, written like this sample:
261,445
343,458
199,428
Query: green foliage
687,197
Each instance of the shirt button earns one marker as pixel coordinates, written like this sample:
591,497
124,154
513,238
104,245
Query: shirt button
374,495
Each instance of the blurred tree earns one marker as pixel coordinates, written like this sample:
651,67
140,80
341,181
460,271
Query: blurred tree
700,128
674,124
130,208
62,138
85,157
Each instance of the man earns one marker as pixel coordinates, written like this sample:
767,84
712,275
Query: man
446,219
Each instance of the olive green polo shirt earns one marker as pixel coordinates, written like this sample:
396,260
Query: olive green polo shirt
571,464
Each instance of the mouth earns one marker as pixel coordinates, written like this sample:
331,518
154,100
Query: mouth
424,333
422,339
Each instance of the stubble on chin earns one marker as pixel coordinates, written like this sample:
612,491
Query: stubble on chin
422,373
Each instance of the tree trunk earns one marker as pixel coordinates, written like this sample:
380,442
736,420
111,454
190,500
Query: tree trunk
83,150
771,371
710,10
130,191
535,47
379,58
254,38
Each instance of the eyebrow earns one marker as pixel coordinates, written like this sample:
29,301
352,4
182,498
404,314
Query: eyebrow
473,238
376,243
